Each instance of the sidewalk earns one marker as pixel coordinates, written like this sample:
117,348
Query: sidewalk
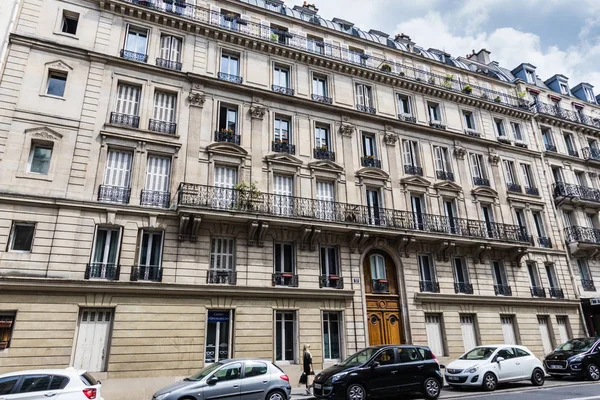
299,393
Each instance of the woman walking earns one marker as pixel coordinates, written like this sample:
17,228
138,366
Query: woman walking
307,367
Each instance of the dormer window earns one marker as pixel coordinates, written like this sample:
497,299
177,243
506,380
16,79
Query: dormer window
530,76
589,94
564,89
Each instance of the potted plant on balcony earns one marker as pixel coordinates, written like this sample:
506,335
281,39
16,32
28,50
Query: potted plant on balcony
497,99
432,80
247,195
241,21
363,56
467,89
401,73
385,67
168,1
274,37
226,134
4,323
448,81
370,158
484,96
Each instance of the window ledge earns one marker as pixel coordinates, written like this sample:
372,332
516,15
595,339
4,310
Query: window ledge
34,176
142,130
53,97
69,35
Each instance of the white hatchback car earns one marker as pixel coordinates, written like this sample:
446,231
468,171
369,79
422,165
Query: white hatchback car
486,366
55,384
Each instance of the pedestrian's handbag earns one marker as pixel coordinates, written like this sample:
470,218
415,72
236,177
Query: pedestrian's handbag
303,378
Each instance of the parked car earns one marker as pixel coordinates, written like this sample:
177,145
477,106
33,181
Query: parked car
381,371
59,384
577,357
487,366
245,378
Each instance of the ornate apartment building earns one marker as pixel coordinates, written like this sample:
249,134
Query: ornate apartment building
182,183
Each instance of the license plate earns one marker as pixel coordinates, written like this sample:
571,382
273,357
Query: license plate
555,366
452,378
318,386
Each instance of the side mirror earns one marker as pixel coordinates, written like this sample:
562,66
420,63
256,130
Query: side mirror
375,364
212,381
498,359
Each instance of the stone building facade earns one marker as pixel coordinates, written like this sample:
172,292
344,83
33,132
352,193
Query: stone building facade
182,183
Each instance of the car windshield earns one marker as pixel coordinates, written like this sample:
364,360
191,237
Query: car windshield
204,372
359,358
478,353
579,345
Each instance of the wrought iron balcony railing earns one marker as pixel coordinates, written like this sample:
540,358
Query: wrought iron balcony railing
407,118
472,132
285,279
283,147
322,153
437,125
445,175
556,293
583,192
155,198
106,271
133,56
545,242
370,162
380,286
503,139
582,234
283,90
222,277
228,137
514,188
331,281
590,153
477,181
429,286
413,170
366,109
322,99
573,152
588,285
463,287
162,126
532,191
114,194
567,115
230,78
232,200
132,121
503,290
168,64
551,148
152,273
537,291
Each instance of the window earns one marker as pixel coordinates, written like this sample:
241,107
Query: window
105,254
411,153
568,217
534,275
69,22
580,178
39,159
283,200
564,89
158,174
35,383
469,331
552,277
320,86
165,105
332,335
589,94
520,217
222,254
150,257
128,99
426,269
230,64
509,169
469,120
284,258
548,140
539,224
218,338
364,96
282,130
7,321
255,368
500,131
508,329
404,107
225,181
461,273
368,144
499,273
408,355
170,48
228,118
118,169
315,44
530,76
322,137
374,205
136,41
329,261
435,338
325,200
451,214
57,81
517,133
569,143
435,114
557,174
377,263
281,76
285,336
417,203
442,159
21,237
564,330
527,176
477,166
584,270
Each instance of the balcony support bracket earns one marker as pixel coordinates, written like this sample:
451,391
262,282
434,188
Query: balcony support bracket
189,226
402,245
518,256
310,237
445,250
357,241
481,252
595,255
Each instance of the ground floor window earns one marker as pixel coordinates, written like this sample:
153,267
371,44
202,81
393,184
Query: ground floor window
332,335
218,335
508,329
435,338
285,336
7,321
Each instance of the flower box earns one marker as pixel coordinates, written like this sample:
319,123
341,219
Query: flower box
468,89
382,280
334,277
497,99
5,324
287,275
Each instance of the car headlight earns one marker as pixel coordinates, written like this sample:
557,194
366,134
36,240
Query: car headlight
471,370
338,377
576,358
162,396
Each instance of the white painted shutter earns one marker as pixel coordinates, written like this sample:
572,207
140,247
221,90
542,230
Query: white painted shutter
467,326
164,106
408,159
325,198
508,330
439,159
284,192
370,62
302,41
225,177
265,29
360,98
434,334
158,172
545,333
563,330
118,168
170,48
475,166
215,15
128,99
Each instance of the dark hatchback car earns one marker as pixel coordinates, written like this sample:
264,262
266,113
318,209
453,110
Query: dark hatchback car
577,358
381,371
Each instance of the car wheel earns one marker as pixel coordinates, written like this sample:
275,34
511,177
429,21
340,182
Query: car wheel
537,377
356,392
276,395
431,388
593,372
490,382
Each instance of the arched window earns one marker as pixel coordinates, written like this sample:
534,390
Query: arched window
378,267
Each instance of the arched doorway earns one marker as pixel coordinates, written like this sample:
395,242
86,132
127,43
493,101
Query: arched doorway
382,298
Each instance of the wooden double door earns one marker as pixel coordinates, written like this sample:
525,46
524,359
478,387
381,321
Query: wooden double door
384,328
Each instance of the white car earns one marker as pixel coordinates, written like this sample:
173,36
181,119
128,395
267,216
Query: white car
486,366
55,384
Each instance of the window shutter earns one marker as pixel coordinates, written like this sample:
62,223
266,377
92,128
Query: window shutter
165,47
225,177
407,154
360,98
118,169
164,106
128,98
345,49
439,162
475,166
245,28
158,174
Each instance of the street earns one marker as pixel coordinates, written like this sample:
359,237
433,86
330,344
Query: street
552,390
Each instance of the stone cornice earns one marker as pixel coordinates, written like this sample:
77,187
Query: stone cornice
493,300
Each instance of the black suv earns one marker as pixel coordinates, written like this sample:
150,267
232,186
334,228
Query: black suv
577,357
381,371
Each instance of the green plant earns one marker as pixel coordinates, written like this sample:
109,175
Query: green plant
497,99
247,194
274,37
386,67
522,94
401,73
449,77
468,89
226,131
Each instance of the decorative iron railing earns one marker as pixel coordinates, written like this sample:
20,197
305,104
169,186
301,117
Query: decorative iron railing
322,99
532,191
503,290
232,200
132,121
222,277
567,115
365,109
590,153
285,279
330,281
551,148
437,125
588,285
324,154
168,64
114,194
463,287
162,126
413,170
472,132
556,293
133,56
283,90
477,181
429,286
514,188
370,162
582,234
155,198
407,118
537,291
545,242
380,286
229,137
573,153
583,192
102,271
230,78
152,273
283,147
445,175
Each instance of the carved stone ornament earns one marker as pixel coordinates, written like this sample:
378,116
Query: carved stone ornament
494,159
390,138
197,99
593,174
257,111
347,129
460,152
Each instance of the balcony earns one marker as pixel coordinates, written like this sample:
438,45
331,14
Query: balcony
463,287
133,56
323,153
230,78
227,136
573,153
283,90
322,99
514,188
215,199
445,176
170,128
566,115
582,235
370,161
429,286
109,272
588,285
551,148
537,291
477,181
576,194
472,132
168,64
150,273
152,198
556,293
407,118
412,170
380,286
366,109
285,279
532,191
132,121
591,154
283,147
221,277
502,290
114,194
437,125
545,242
331,281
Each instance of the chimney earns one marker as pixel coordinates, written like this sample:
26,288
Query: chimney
483,56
